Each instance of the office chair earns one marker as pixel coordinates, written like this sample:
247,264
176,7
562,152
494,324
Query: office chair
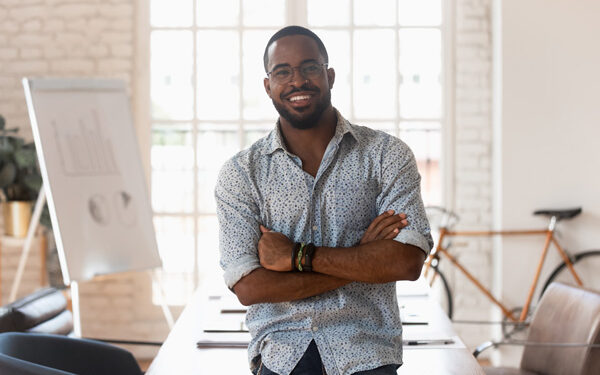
564,325
44,354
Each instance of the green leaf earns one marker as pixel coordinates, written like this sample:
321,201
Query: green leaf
33,182
8,174
25,158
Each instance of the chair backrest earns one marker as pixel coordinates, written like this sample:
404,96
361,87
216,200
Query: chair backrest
32,353
565,314
44,311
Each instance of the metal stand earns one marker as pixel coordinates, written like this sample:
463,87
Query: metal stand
163,301
33,224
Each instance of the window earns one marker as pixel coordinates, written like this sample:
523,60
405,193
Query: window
208,100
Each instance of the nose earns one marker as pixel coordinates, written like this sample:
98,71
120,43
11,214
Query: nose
297,77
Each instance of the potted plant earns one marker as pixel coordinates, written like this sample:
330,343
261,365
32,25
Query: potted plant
20,180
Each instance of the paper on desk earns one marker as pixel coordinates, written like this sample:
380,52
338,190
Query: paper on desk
223,340
434,337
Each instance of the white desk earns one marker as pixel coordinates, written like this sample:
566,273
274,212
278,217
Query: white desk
179,354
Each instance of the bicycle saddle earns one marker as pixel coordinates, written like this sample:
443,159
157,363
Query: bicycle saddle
560,214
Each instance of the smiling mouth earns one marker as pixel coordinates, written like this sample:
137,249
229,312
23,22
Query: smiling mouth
299,98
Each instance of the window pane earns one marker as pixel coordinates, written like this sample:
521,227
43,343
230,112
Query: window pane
257,105
385,126
171,75
214,148
218,75
217,13
424,139
255,132
374,74
419,12
172,158
168,13
263,13
338,49
420,70
320,12
375,12
208,252
175,238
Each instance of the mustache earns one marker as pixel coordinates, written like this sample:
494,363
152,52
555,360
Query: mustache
305,87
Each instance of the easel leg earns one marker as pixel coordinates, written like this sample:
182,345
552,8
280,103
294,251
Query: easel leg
163,301
75,305
35,219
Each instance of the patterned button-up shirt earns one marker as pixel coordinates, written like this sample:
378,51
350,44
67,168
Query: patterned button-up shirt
363,173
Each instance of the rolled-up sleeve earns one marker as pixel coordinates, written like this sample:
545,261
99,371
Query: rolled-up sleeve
239,220
401,192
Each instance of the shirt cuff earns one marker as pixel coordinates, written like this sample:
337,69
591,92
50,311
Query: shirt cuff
411,237
241,268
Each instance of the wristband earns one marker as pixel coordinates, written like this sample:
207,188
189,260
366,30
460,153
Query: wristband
309,256
295,249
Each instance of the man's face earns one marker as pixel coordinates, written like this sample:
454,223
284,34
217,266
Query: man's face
300,101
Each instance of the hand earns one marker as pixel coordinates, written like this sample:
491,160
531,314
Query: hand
385,227
275,250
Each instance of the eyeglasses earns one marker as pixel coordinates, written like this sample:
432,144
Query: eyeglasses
308,70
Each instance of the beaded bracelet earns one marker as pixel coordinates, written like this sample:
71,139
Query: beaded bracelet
299,257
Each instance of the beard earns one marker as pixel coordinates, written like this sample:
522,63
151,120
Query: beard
309,120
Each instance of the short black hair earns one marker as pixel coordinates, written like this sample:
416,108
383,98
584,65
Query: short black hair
295,30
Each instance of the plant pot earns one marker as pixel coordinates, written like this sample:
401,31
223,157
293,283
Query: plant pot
17,215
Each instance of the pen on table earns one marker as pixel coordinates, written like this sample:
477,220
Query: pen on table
429,342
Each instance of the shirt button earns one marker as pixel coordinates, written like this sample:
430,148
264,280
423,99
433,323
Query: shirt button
315,227
315,329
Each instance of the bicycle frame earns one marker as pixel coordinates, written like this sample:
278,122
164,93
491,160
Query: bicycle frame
550,239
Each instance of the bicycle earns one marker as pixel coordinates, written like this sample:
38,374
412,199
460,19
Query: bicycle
580,268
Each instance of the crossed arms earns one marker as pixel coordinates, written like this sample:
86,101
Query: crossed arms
376,259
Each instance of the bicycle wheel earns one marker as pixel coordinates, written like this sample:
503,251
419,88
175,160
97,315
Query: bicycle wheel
440,290
586,265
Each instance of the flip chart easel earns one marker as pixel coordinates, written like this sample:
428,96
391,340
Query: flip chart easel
93,181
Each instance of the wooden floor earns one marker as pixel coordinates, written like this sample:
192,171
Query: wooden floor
144,363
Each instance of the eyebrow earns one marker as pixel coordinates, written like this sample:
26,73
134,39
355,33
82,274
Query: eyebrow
286,64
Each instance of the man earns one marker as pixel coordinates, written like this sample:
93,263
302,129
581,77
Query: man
308,232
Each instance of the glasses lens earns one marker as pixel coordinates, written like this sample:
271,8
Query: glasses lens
282,74
310,70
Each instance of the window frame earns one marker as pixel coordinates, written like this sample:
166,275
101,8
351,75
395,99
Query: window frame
296,13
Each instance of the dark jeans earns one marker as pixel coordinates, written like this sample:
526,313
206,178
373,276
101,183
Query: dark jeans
310,364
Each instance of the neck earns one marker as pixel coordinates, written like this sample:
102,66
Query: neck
310,144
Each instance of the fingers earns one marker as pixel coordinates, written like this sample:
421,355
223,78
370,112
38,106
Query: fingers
395,221
392,230
379,218
383,226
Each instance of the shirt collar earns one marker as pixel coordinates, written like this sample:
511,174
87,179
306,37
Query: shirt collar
343,126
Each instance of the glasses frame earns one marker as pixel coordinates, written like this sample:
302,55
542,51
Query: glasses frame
298,69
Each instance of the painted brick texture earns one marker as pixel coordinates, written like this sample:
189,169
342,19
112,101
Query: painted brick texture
473,155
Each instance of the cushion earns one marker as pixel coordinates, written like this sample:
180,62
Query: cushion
28,312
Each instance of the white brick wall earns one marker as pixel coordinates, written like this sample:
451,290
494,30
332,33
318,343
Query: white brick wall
473,153
75,38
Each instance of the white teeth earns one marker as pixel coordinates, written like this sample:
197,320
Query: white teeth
302,97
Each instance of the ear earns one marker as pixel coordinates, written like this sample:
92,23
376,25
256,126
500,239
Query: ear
330,77
267,85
